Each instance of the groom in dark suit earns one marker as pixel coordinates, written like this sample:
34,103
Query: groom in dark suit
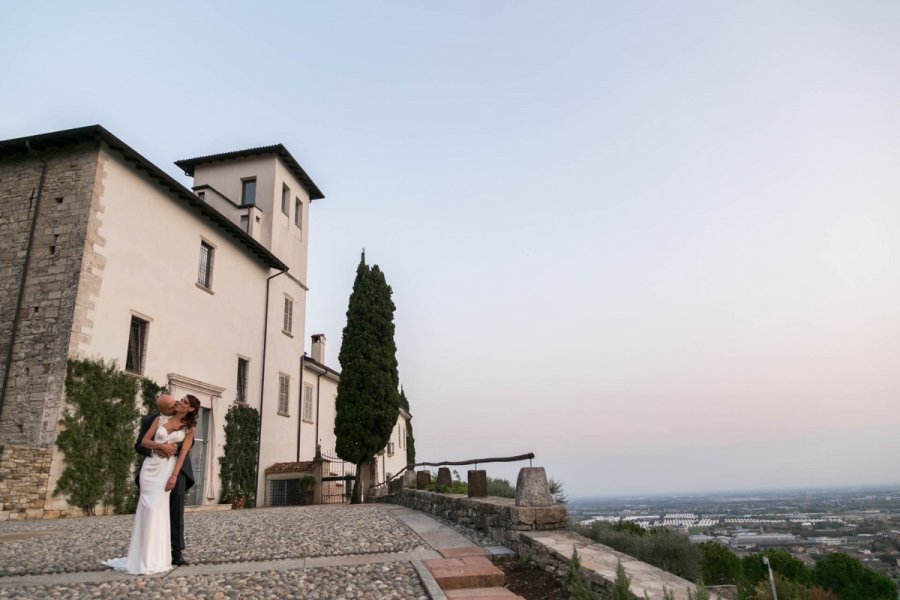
165,405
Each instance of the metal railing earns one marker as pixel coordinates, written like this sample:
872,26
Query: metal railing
458,463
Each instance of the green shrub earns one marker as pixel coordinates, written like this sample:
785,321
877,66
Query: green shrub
574,584
701,594
718,564
630,527
851,580
557,491
671,552
622,584
660,547
457,486
785,588
238,461
793,569
500,488
97,435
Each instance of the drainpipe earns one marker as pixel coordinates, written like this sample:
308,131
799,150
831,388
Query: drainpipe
318,392
16,315
262,377
300,406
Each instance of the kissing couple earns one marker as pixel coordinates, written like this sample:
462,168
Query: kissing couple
163,477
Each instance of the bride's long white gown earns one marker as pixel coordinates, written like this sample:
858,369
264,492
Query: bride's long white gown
151,548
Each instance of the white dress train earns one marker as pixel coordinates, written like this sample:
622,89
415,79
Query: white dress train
151,547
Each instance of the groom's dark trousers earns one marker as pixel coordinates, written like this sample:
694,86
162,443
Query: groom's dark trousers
183,483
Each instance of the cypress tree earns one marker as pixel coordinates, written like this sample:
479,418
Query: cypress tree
410,440
367,403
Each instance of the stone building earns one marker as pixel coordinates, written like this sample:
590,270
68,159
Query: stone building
104,255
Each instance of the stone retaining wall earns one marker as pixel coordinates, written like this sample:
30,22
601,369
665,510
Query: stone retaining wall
499,517
24,471
540,534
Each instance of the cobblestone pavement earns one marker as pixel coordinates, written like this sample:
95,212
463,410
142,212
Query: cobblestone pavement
369,552
73,545
363,582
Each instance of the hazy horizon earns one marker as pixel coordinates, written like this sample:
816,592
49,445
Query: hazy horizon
655,244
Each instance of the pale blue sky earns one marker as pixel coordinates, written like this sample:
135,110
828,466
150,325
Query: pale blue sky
655,243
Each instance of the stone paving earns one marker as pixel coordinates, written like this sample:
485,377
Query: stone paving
363,582
72,545
320,552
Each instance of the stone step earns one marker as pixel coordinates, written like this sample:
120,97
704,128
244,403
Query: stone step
491,593
463,551
464,572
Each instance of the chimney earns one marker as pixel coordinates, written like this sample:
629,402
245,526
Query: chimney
318,347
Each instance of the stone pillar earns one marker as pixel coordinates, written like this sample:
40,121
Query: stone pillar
409,479
318,465
532,488
423,478
477,484
444,480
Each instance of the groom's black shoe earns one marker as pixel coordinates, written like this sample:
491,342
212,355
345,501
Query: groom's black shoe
178,560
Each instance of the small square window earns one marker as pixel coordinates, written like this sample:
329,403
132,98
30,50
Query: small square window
204,273
285,199
248,191
137,346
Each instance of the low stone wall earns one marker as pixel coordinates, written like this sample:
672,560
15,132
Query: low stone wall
24,476
540,534
499,517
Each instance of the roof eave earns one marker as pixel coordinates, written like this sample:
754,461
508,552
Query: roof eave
99,133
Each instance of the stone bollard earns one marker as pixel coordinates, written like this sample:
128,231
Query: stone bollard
532,488
444,480
409,479
477,484
423,478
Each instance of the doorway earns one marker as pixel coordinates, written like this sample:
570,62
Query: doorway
194,495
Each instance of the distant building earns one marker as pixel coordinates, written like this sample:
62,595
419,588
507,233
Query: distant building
768,540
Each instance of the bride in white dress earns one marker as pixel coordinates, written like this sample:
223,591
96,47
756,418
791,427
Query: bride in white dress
150,550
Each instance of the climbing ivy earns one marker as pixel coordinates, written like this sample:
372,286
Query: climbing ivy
238,460
150,391
97,435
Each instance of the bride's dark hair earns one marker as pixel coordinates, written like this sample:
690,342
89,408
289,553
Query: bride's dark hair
189,420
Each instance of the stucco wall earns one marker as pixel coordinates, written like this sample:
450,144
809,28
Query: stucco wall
324,390
151,250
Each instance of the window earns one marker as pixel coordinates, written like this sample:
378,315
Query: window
248,191
400,437
390,449
285,199
245,223
242,372
288,315
137,346
284,386
204,273
298,213
307,403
